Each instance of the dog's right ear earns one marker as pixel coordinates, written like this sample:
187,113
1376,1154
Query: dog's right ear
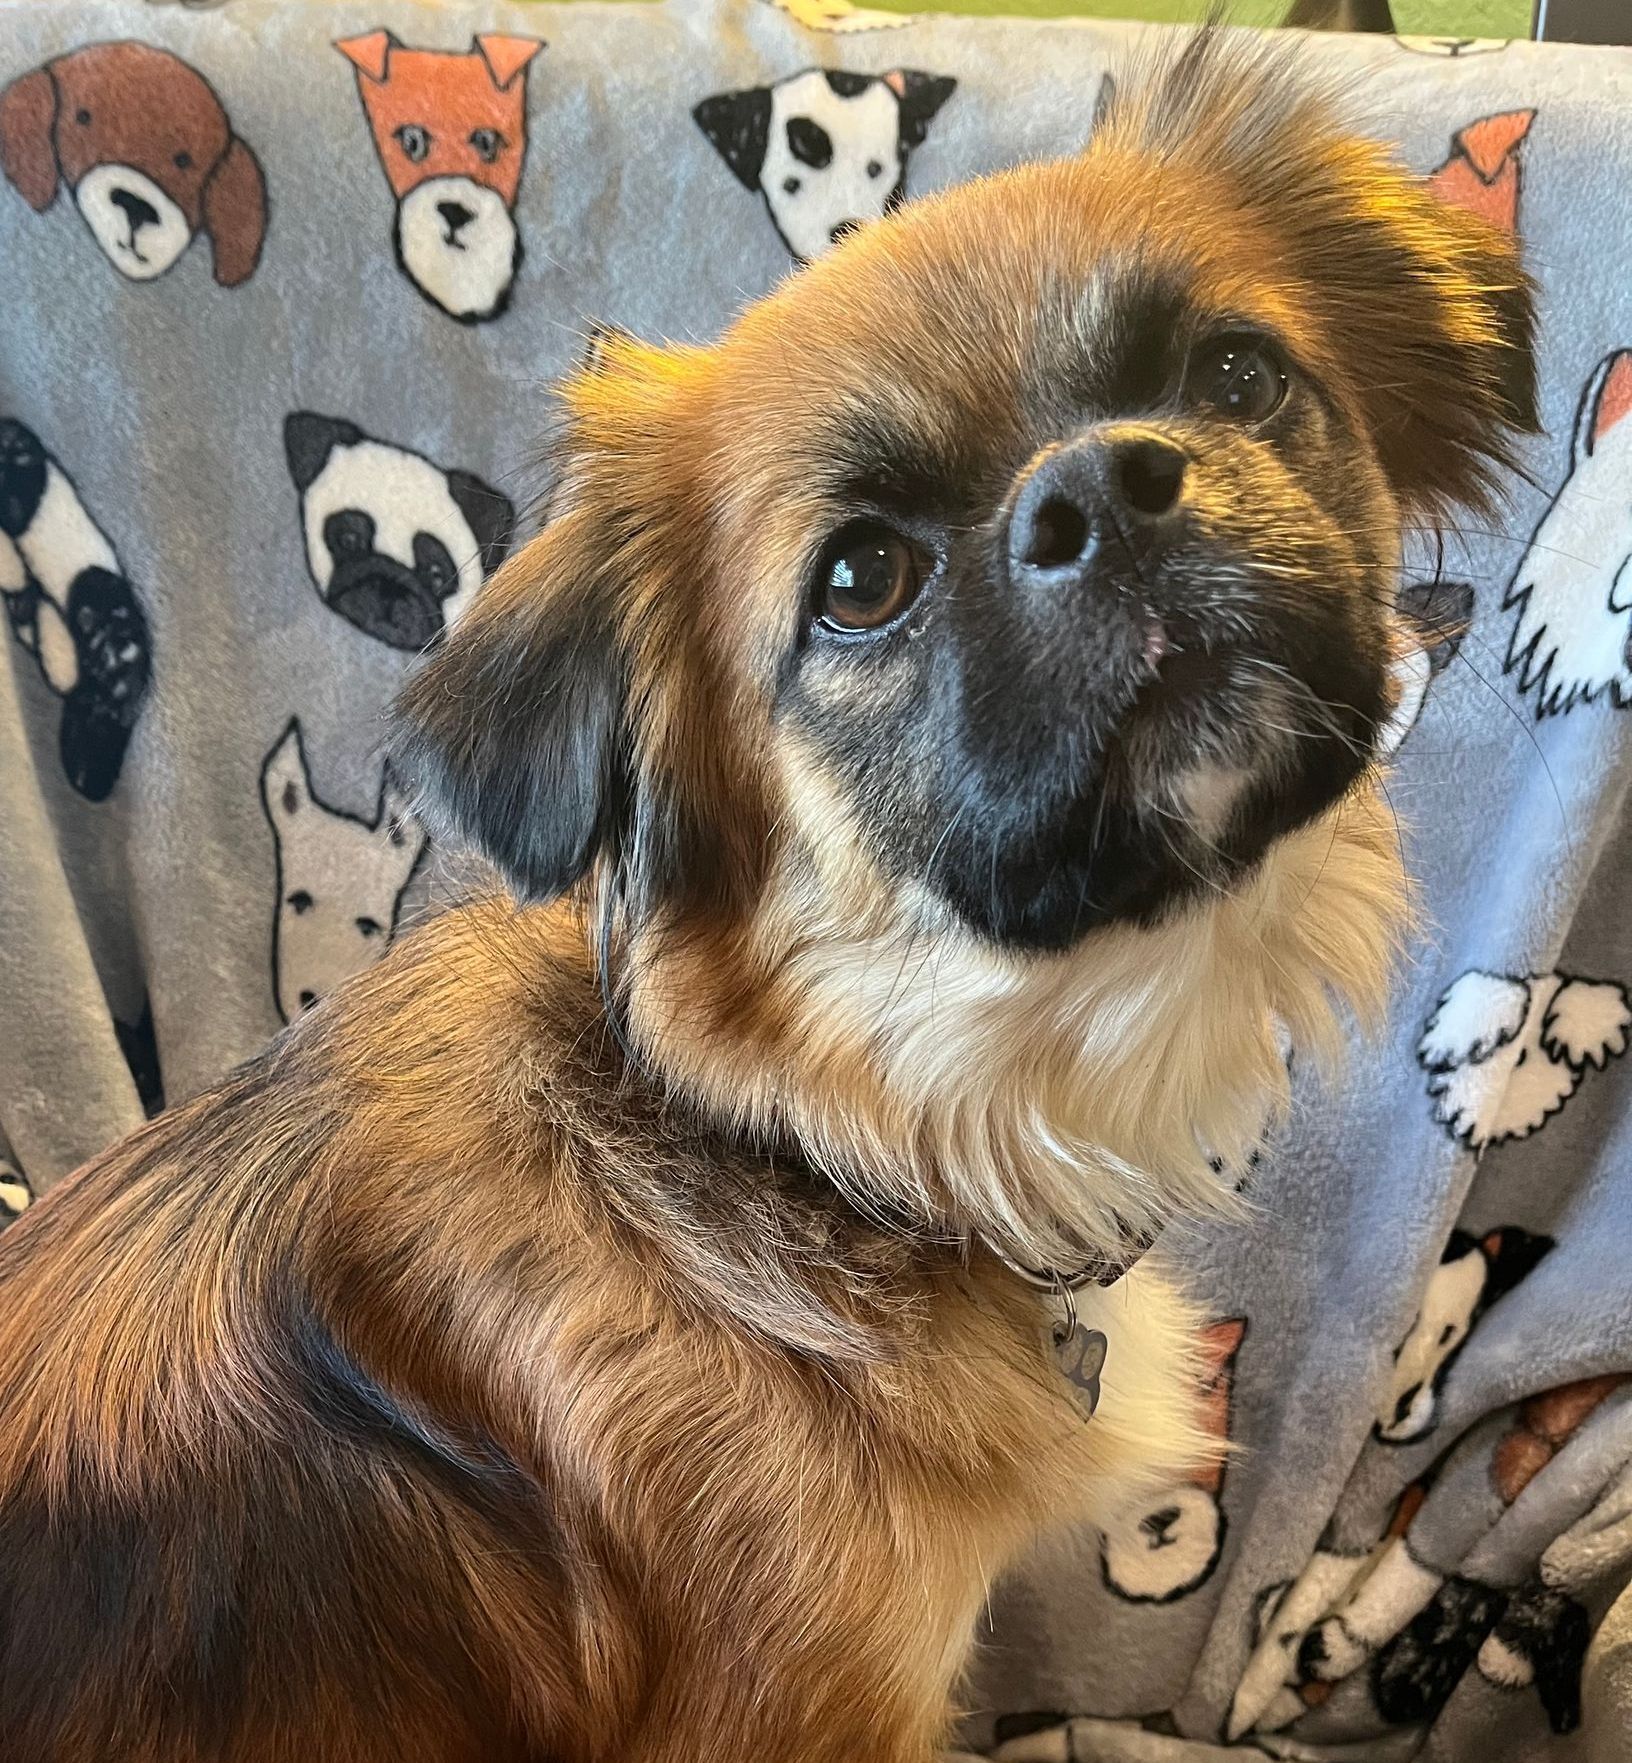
28,149
739,125
514,729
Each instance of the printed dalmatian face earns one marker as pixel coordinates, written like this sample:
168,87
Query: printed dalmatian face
396,545
826,149
340,878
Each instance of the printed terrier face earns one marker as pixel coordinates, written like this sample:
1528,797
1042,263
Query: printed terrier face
147,152
451,132
340,878
827,150
395,544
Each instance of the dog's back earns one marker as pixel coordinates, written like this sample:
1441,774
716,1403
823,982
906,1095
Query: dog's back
219,1534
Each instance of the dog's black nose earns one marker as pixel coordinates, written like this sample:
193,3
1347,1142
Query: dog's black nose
1158,1524
1090,488
455,215
137,210
844,227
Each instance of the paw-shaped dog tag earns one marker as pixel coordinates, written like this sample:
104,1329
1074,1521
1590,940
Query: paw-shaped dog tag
1081,1353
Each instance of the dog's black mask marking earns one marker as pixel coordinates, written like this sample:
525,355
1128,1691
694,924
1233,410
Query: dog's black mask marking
1024,730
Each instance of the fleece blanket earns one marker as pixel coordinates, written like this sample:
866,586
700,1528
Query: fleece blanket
282,286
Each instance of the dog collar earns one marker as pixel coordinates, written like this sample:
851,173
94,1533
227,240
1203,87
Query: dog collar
1100,1270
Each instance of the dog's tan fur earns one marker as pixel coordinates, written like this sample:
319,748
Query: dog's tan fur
487,1374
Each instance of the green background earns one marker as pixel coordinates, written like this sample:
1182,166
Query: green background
1462,18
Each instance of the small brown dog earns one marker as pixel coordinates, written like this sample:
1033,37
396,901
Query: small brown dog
942,715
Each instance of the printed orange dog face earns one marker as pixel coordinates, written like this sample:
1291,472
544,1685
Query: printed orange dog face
144,146
451,132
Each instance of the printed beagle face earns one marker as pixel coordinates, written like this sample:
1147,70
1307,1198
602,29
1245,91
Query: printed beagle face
451,132
1171,1544
145,149
395,544
340,878
1471,1276
827,150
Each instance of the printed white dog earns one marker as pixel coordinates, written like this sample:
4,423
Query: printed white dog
340,878
1572,595
1505,1054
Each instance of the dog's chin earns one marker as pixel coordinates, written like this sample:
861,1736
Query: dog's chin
459,245
1194,787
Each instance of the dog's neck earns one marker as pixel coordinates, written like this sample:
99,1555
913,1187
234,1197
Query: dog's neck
1056,1106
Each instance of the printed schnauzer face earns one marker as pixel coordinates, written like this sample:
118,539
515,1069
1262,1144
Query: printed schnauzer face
340,878
827,150
451,132
147,153
395,544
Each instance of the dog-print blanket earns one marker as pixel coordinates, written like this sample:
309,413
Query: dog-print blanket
282,288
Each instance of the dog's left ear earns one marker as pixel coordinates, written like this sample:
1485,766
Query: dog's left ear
490,515
739,126
921,96
506,56
28,152
235,213
514,729
1444,346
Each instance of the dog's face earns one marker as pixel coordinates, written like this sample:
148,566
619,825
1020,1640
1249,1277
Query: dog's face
991,622
827,149
143,145
451,131
396,545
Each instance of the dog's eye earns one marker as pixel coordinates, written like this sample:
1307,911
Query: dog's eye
875,168
1240,376
183,161
301,900
370,927
415,140
869,576
488,143
83,118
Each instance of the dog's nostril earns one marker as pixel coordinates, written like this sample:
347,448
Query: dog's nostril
1059,534
1150,476
455,214
1403,1407
136,209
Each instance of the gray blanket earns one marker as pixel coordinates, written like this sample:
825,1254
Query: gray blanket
282,286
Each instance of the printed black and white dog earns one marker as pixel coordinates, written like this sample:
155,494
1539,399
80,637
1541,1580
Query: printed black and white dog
826,149
72,608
